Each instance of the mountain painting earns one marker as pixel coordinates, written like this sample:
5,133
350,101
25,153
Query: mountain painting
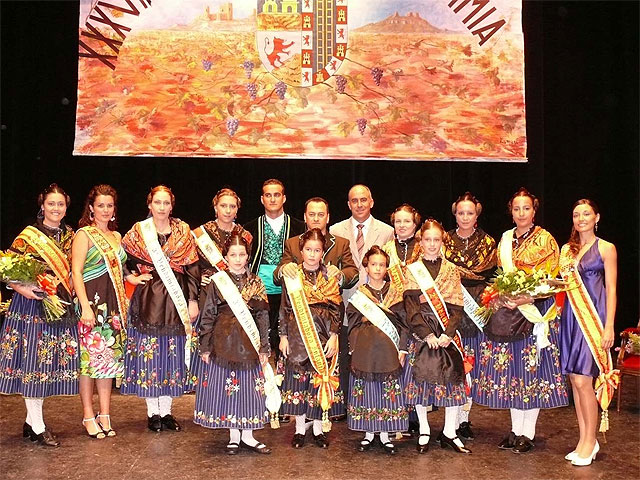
334,79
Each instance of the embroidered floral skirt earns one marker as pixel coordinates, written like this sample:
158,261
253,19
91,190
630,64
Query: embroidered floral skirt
37,359
102,348
299,396
439,395
376,405
230,398
470,346
509,375
154,365
410,389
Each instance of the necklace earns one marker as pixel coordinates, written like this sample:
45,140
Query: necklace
377,292
405,248
465,239
518,240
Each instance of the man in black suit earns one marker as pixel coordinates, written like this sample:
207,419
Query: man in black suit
337,254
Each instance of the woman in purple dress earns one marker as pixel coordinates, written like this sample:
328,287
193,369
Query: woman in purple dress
587,333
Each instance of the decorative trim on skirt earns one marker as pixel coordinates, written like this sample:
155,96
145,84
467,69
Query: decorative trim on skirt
299,397
510,375
154,365
377,405
230,398
37,359
440,395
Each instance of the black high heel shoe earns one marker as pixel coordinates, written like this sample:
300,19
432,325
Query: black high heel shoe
449,442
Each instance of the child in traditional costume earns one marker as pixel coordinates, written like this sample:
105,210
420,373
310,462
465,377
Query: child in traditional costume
234,344
310,319
377,341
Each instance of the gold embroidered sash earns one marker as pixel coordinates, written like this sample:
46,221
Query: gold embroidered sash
592,329
324,378
114,267
49,251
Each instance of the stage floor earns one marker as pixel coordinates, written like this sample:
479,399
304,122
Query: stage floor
196,452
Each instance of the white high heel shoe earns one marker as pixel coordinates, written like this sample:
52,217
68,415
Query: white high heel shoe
571,455
583,462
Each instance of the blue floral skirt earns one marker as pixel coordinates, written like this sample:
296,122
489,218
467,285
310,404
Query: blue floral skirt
410,387
230,398
299,396
37,359
154,365
439,395
509,375
470,346
376,405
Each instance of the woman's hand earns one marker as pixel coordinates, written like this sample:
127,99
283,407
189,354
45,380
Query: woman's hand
608,338
512,304
432,341
88,318
138,279
444,340
331,348
31,292
401,358
284,346
264,358
193,310
205,357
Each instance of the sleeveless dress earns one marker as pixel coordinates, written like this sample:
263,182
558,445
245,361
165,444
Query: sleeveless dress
101,347
575,354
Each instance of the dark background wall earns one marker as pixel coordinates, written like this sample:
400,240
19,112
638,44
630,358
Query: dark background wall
582,122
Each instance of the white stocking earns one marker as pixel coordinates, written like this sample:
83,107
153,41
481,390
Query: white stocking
234,436
153,407
164,402
34,414
529,424
421,411
300,424
517,421
247,437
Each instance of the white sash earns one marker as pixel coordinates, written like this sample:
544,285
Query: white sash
161,264
208,247
529,311
470,308
234,299
376,316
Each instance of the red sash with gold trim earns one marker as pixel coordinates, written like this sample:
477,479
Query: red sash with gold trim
592,329
50,253
114,267
436,302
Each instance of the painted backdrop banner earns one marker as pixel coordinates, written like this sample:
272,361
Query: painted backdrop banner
339,79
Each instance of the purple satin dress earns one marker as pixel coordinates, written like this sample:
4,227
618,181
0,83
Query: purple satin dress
574,352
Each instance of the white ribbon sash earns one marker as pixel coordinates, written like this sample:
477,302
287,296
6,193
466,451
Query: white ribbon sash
376,316
234,299
161,264
529,311
208,247
470,308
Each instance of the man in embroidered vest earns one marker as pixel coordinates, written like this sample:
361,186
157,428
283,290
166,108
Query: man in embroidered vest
337,254
363,231
269,232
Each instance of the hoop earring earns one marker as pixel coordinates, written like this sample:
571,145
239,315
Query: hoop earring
91,215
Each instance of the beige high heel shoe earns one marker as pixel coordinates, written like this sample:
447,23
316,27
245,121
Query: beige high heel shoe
108,431
99,434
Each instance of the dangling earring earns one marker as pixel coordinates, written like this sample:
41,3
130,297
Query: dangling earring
596,226
91,216
113,219
40,214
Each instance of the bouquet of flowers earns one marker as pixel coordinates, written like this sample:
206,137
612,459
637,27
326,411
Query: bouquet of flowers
515,285
26,270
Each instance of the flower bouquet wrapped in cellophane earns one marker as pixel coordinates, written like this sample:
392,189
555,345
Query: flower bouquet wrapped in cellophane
540,282
26,270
